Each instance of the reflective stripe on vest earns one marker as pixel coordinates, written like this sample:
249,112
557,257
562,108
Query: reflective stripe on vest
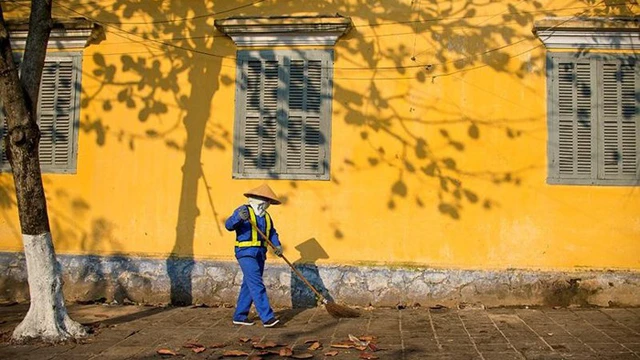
255,241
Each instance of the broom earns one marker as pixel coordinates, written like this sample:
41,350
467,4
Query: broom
335,310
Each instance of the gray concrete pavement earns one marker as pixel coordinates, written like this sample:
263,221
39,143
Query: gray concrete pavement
138,332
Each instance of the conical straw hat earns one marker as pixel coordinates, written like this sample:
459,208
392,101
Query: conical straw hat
264,191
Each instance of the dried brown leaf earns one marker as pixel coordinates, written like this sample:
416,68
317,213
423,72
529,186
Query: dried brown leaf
198,350
192,345
373,347
265,345
331,353
357,342
235,353
244,339
302,356
315,346
361,348
167,352
285,351
342,345
217,345
310,341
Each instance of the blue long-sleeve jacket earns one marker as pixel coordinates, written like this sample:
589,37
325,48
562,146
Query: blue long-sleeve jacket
243,232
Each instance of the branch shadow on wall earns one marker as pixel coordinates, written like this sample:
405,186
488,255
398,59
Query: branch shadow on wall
178,50
193,58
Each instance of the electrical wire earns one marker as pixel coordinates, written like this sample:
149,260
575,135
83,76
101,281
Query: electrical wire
395,67
468,57
152,40
189,18
370,24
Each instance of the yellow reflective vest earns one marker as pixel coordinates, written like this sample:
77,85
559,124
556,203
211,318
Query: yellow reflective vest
256,240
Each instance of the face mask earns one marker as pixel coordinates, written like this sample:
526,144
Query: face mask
259,206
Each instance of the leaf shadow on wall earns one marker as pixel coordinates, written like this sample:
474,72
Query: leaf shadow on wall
177,70
155,91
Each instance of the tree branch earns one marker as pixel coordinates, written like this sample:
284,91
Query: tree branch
40,25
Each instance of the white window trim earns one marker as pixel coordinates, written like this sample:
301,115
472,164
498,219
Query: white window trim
270,32
284,56
285,30
554,177
65,34
68,38
74,114
591,33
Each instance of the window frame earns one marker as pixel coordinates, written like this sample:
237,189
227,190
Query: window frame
74,115
596,60
326,95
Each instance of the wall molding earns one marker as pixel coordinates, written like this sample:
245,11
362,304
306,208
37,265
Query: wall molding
284,31
589,33
66,34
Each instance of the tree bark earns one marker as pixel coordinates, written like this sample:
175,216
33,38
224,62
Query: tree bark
47,318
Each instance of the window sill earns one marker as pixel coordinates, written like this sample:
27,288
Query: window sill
323,177
593,182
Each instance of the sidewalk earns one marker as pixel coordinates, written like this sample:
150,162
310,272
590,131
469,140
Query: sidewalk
138,332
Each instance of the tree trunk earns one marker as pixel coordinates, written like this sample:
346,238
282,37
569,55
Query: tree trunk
47,318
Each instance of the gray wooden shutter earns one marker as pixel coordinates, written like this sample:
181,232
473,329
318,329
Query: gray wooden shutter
259,122
574,119
283,110
55,114
304,146
618,145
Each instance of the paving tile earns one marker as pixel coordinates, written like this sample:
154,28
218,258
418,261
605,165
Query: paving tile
536,334
627,356
502,356
571,348
121,352
494,347
530,346
441,356
635,347
608,347
458,347
542,355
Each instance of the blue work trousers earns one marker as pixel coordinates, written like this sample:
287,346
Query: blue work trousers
252,289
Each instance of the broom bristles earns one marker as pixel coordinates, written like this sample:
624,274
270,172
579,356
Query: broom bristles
339,311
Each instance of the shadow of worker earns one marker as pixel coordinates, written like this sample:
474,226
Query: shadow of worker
301,295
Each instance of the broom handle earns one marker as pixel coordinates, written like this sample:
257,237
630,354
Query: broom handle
322,298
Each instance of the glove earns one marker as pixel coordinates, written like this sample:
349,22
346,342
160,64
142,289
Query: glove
243,213
277,250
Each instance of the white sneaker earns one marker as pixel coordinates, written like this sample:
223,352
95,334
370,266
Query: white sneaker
271,323
243,322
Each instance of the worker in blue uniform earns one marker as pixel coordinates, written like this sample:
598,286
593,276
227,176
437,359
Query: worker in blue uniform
251,253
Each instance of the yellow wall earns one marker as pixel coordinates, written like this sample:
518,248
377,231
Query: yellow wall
397,86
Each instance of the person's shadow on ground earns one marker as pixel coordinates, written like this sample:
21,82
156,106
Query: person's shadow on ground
302,297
